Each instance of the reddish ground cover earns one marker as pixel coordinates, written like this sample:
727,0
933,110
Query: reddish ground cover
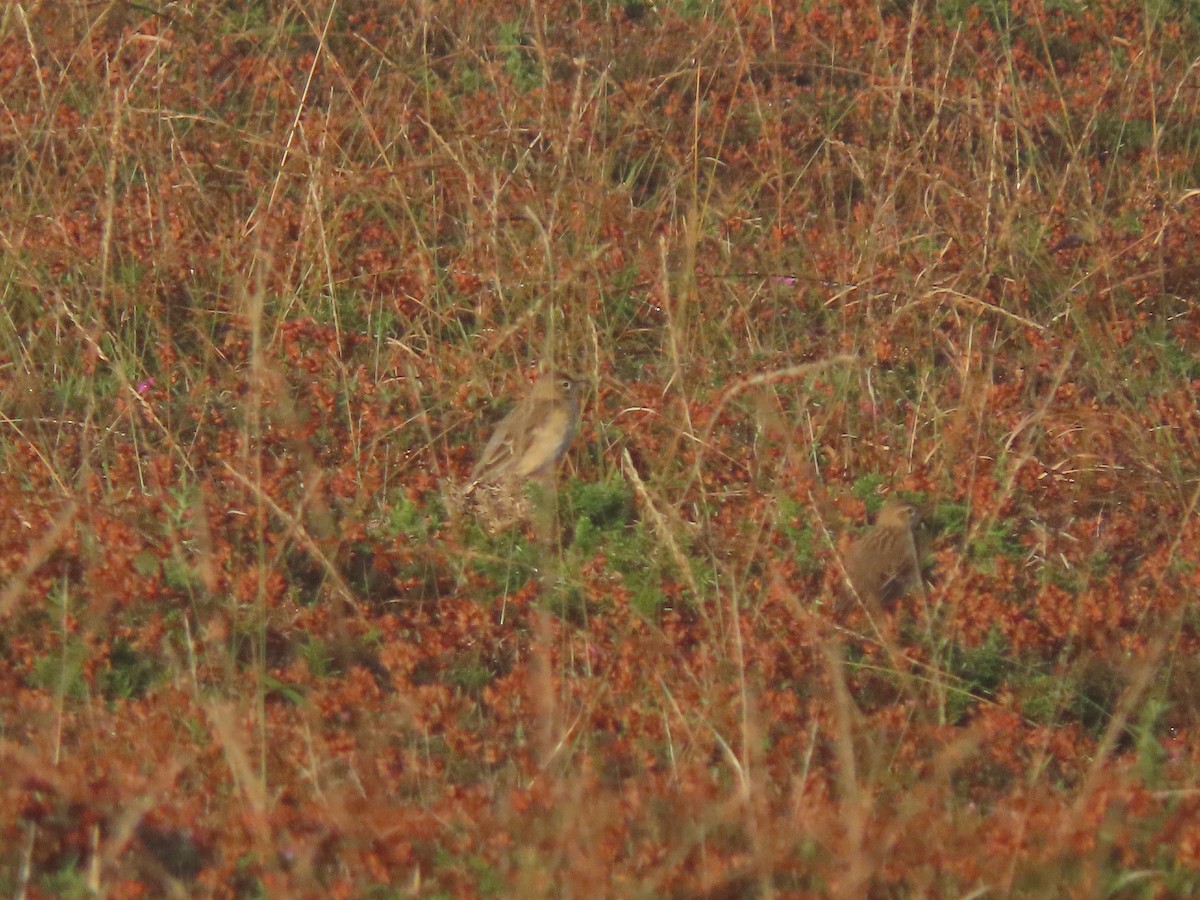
269,272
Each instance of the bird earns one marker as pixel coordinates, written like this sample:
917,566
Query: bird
884,563
533,436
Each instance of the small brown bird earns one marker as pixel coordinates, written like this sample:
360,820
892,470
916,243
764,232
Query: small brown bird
533,437
885,561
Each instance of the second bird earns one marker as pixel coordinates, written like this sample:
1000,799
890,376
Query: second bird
885,561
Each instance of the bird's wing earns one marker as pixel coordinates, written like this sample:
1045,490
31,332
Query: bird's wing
498,453
901,572
549,432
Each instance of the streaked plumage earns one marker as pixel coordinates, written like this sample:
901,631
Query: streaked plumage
884,563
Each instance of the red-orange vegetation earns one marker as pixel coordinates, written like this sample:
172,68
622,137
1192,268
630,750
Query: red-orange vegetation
456,193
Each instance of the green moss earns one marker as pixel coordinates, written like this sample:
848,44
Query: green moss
698,9
1183,14
981,671
998,13
415,521
318,657
470,673
599,507
806,541
1042,698
519,61
507,560
129,673
1148,732
277,689
69,881
61,672
602,513
1000,538
866,488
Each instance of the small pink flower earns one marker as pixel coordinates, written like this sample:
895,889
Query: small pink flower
144,386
